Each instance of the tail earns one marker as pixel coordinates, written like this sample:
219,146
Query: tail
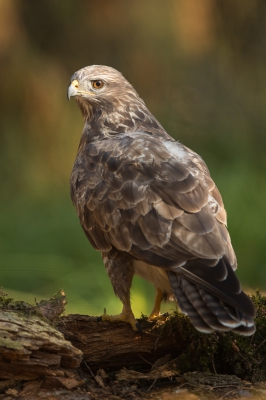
212,297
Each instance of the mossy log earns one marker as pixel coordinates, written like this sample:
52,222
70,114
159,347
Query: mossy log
31,348
112,346
115,345
75,350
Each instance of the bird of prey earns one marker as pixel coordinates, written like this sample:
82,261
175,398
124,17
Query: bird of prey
150,206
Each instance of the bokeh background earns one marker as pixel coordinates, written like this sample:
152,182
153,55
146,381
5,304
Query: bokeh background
200,66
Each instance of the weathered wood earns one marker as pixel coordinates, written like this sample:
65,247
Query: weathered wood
115,345
55,306
35,353
31,348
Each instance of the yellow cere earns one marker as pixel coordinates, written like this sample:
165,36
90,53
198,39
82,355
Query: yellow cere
75,83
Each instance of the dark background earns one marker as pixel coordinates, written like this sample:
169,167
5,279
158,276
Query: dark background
200,66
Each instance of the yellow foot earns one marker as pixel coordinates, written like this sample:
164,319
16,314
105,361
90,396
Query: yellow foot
158,317
155,314
125,316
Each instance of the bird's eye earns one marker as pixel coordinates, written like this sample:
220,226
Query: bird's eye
97,84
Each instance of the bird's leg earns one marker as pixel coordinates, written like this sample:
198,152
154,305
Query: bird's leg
157,304
120,269
125,316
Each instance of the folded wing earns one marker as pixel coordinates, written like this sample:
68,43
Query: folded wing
155,199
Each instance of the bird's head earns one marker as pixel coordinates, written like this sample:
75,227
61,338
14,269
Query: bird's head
101,88
108,101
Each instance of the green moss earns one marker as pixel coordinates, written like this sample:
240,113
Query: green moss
245,356
223,353
5,300
9,343
198,353
7,303
26,309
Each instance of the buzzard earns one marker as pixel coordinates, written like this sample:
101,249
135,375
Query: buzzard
150,206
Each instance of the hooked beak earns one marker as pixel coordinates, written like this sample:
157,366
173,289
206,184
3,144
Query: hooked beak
72,89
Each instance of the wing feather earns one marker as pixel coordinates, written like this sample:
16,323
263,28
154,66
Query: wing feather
158,202
200,223
166,211
154,186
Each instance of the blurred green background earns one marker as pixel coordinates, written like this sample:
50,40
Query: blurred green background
200,66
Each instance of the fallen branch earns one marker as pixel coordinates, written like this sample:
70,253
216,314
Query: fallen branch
30,347
47,357
115,345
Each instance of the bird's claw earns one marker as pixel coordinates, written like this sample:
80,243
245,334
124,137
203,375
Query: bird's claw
159,317
127,317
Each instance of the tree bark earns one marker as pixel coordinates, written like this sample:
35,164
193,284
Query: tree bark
115,345
76,352
31,348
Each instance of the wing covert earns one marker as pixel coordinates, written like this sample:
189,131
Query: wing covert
141,191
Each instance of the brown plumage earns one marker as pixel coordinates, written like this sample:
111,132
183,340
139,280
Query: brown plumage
149,205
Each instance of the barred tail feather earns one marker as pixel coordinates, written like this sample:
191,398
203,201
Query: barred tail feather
207,311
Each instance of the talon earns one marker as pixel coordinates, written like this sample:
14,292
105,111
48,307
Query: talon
125,316
154,316
158,317
166,314
139,328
